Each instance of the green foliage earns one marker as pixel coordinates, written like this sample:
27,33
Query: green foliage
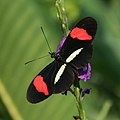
21,40
4,115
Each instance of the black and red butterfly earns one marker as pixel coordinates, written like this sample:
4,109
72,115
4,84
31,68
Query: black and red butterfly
73,53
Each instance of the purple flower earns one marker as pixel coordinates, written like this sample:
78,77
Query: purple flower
85,91
84,73
60,45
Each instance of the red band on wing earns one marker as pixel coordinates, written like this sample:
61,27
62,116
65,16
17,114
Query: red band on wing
40,85
80,34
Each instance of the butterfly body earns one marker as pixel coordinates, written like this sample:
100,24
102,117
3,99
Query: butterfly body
73,53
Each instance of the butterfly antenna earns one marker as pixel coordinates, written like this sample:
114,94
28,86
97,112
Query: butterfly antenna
46,40
35,59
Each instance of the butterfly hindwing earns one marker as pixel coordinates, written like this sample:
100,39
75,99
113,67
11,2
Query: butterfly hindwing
65,78
82,59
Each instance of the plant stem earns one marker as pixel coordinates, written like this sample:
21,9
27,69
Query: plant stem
61,14
79,103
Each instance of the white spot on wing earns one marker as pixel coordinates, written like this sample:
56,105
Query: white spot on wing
59,73
73,55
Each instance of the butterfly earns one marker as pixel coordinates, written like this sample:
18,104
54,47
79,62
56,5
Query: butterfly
73,53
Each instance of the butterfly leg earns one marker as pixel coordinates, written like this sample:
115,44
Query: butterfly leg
70,90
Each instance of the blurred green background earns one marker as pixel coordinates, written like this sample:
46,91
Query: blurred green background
21,40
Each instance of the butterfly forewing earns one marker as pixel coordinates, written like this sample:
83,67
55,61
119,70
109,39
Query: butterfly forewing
81,36
44,83
89,24
41,88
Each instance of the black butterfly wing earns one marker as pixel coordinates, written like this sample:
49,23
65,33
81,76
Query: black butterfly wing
44,85
34,94
81,36
64,80
83,58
